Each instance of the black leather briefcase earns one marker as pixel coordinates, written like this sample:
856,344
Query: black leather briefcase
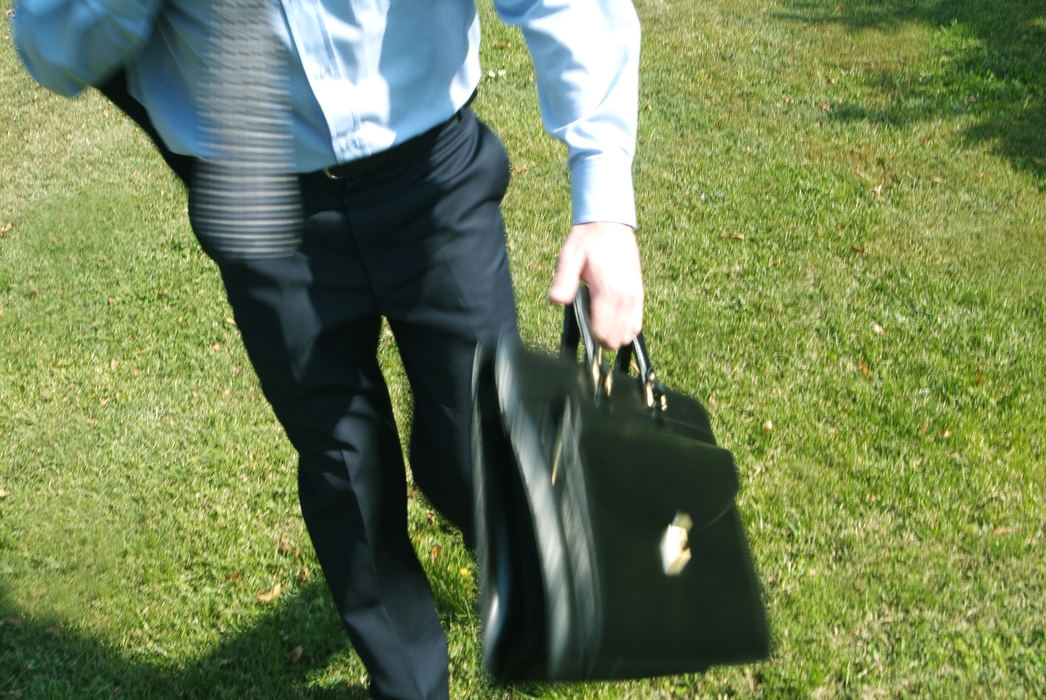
609,543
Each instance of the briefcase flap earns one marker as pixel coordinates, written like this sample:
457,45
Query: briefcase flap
637,456
647,479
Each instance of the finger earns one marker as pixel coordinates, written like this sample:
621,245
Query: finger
606,317
612,328
617,314
568,273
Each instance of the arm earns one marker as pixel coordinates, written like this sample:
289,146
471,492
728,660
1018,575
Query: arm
586,57
68,45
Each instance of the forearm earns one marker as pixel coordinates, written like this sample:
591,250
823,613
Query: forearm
586,57
68,45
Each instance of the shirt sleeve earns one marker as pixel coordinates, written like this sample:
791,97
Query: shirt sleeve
586,57
68,45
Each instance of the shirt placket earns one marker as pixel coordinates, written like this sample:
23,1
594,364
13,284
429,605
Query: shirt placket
320,62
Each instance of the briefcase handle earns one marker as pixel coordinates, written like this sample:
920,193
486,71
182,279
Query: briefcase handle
578,329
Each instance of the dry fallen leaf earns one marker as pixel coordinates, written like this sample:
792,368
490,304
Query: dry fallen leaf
977,381
768,426
946,433
6,228
216,346
3,494
520,169
858,251
271,595
864,369
736,237
872,497
230,321
879,330
234,576
878,189
436,549
296,654
412,493
285,545
303,574
431,517
113,363
711,400
1003,530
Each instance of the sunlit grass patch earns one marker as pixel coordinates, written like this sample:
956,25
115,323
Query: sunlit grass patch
841,221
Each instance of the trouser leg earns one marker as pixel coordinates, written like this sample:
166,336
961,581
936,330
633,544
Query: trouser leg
453,290
312,341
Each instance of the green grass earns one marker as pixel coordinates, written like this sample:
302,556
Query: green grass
808,172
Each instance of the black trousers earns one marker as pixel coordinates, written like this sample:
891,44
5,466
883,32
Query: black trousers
421,243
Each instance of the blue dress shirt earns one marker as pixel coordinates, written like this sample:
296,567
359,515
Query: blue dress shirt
367,74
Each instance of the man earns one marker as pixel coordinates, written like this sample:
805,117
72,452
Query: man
400,188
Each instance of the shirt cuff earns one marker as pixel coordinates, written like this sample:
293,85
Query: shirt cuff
602,190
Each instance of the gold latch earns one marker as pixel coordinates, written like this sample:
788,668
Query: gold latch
674,552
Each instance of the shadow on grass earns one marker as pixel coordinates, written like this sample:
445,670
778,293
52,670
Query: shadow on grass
42,659
988,62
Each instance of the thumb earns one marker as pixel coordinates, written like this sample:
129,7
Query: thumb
568,273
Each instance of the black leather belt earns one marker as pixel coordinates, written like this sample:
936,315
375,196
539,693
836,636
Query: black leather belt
396,155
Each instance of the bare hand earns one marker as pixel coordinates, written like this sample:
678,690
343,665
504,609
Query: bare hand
605,256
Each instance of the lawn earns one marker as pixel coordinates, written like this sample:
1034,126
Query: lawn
842,209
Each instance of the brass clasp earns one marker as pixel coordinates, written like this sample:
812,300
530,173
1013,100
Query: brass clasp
655,392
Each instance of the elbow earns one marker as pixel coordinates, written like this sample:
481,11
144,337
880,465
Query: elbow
67,53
